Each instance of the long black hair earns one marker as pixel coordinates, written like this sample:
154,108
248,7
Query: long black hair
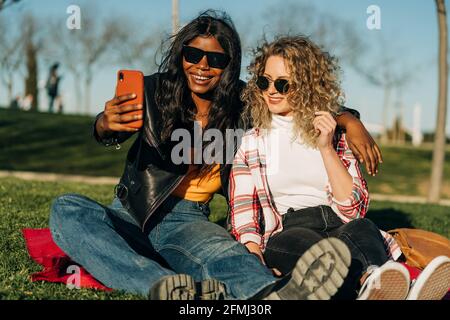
173,94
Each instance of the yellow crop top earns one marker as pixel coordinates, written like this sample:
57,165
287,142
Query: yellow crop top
199,188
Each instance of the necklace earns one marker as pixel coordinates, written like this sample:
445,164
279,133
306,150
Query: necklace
202,115
199,114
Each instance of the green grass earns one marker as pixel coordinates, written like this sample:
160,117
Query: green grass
64,144
26,204
406,171
55,143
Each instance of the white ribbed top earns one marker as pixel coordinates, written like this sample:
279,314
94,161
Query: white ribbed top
295,172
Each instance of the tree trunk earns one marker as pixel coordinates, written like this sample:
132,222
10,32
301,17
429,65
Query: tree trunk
78,93
87,92
384,134
10,89
175,20
439,140
31,82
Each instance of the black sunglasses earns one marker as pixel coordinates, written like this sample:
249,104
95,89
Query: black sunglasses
217,60
282,85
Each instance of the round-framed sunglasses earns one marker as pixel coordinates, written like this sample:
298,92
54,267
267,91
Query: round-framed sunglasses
282,85
217,60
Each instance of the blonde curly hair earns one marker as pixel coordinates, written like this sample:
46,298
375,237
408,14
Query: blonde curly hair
314,84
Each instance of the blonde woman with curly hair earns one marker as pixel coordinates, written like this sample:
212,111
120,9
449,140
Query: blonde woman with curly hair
296,189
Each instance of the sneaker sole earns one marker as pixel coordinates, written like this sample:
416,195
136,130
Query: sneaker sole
437,284
319,273
392,286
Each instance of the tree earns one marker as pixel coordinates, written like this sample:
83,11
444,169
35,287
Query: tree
63,48
95,42
10,56
139,51
175,19
388,72
99,42
437,168
327,30
338,36
32,44
6,3
82,51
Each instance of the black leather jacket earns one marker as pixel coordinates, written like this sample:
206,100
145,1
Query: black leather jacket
149,175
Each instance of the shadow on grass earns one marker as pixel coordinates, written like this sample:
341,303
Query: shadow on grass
389,218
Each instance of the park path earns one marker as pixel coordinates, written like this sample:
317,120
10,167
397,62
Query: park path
38,176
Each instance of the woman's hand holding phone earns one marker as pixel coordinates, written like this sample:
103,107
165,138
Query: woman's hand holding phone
116,116
124,113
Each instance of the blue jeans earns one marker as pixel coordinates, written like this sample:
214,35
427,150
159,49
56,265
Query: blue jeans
110,245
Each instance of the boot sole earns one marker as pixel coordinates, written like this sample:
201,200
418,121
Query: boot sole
319,272
174,287
183,287
212,289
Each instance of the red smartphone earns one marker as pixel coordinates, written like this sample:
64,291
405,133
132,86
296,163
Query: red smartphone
131,81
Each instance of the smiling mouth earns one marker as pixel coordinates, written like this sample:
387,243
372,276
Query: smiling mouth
201,80
273,100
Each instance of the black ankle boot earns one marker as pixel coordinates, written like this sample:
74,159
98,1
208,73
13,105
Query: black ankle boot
318,274
183,287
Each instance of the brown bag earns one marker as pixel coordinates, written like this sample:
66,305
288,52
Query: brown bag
419,246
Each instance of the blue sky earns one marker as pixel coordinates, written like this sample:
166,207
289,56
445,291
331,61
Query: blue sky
408,27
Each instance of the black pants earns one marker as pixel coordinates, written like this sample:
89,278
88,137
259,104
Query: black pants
305,227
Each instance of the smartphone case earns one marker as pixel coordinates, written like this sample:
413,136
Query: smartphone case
131,81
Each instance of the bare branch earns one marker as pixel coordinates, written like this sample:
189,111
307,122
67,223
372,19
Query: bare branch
330,32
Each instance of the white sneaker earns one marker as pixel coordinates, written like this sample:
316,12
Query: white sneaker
388,282
433,282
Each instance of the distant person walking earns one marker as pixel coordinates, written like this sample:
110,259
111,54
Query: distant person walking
52,86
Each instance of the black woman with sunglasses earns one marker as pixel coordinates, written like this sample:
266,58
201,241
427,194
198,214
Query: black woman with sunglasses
156,239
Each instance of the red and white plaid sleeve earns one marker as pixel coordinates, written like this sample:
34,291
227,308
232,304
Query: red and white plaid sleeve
357,204
244,205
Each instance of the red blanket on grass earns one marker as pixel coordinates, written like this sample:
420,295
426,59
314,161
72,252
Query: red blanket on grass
57,265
